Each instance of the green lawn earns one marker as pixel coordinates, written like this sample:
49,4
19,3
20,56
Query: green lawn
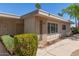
8,42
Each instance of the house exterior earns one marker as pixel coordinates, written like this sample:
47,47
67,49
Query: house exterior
10,24
47,26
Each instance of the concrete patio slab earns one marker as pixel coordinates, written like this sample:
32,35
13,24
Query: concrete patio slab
61,48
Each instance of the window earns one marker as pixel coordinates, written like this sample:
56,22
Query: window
52,28
63,27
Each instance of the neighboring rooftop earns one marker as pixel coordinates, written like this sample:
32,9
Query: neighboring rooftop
9,15
34,12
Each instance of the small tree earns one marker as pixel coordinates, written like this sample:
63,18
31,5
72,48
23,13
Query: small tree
38,6
73,12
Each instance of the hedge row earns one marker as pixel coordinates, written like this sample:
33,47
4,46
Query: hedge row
21,45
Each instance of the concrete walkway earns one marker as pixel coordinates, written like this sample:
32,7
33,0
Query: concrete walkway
65,47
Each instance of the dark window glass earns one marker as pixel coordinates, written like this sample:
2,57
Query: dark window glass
63,27
52,28
56,27
48,27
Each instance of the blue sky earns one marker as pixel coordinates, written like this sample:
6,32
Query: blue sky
24,8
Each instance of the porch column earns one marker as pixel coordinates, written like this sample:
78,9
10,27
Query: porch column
44,30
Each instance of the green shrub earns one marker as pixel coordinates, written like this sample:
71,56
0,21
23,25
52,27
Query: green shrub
8,42
25,44
75,30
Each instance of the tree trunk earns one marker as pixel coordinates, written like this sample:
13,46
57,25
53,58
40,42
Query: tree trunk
76,23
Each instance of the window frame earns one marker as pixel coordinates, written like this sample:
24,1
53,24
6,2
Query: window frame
63,27
54,26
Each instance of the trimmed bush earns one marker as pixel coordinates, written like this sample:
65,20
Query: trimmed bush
25,44
75,30
8,42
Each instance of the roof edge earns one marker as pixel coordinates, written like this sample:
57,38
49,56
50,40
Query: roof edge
40,10
32,12
61,18
9,15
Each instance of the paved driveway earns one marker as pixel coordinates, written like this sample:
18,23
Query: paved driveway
3,51
65,47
